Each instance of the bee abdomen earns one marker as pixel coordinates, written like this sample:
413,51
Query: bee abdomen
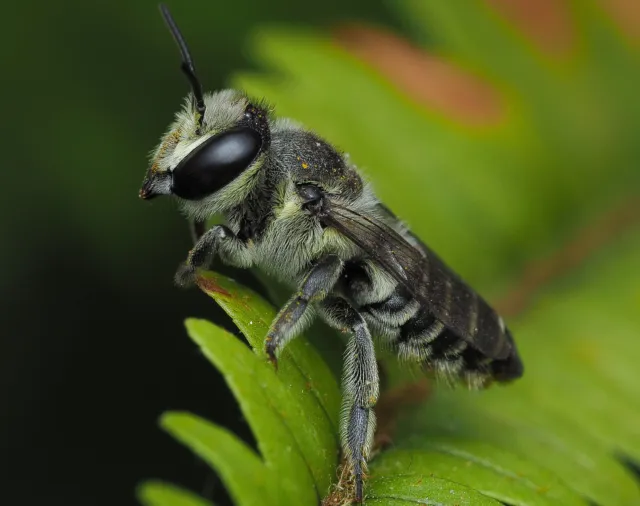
416,334
426,339
395,310
446,345
510,368
420,336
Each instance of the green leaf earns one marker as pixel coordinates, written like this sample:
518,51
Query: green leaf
292,412
301,366
157,493
242,471
406,490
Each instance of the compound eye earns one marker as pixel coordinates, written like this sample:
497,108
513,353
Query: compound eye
215,163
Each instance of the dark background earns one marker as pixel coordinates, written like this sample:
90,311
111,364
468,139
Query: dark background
92,347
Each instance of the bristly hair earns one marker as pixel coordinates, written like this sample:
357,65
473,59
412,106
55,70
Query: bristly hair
188,66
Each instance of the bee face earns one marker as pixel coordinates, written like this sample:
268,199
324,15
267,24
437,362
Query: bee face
201,155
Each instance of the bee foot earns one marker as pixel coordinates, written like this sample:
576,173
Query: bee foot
185,276
271,353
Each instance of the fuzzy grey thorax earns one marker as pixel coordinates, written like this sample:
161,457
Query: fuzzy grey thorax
284,239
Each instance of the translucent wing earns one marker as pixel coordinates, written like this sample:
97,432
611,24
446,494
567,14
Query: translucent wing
427,278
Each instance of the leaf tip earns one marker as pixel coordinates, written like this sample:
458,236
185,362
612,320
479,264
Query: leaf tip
160,493
171,420
151,492
196,327
146,492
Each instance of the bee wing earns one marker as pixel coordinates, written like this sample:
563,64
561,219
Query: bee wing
427,278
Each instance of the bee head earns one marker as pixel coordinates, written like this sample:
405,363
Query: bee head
211,155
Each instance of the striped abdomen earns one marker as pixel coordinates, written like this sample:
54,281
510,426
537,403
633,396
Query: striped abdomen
419,335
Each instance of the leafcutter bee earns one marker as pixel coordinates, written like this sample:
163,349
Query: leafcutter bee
298,209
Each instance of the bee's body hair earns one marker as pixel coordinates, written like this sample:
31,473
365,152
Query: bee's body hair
278,215
286,243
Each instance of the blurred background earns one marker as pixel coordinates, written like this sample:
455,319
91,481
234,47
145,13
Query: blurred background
92,345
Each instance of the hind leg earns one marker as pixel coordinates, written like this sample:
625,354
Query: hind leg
360,387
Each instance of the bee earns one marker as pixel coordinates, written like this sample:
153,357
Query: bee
297,208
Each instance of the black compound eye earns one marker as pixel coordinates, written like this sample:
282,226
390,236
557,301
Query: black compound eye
215,163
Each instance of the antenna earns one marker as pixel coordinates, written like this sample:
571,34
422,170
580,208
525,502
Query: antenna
187,63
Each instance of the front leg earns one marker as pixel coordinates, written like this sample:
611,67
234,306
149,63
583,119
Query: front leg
360,386
197,228
218,240
315,287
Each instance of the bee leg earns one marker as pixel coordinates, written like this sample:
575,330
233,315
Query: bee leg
197,229
218,240
291,318
360,386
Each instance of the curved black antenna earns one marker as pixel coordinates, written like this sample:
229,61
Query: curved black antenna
187,63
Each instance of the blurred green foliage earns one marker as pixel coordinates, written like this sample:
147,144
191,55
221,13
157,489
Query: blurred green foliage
563,153
489,199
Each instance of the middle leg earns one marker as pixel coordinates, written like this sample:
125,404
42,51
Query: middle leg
315,287
361,386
